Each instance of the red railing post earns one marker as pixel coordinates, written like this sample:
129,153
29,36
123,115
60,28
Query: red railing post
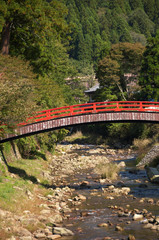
117,106
71,110
94,108
141,107
48,114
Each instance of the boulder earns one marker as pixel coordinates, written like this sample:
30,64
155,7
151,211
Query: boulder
57,218
62,231
126,190
148,225
153,174
137,217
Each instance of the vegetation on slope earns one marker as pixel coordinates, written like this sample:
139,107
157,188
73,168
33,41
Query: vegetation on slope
62,40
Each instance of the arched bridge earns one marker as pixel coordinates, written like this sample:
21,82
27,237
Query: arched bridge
113,111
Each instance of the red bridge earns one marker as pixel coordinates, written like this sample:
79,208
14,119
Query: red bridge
114,111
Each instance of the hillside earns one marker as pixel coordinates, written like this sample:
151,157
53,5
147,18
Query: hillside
97,24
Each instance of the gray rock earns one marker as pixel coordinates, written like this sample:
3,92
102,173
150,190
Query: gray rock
148,158
149,225
126,190
137,217
154,227
131,237
45,212
157,219
26,238
23,232
57,218
121,164
40,235
52,237
145,221
153,174
122,214
62,231
103,225
118,228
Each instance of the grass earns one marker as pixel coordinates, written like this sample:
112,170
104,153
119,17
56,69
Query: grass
142,144
108,170
78,135
12,191
22,175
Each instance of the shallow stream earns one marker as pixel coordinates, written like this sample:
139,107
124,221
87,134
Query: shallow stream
84,219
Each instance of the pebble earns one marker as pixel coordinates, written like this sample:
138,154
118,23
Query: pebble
148,225
118,228
53,237
103,225
131,237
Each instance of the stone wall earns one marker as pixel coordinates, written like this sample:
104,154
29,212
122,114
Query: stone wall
153,153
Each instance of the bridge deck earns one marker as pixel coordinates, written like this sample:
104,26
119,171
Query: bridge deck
51,119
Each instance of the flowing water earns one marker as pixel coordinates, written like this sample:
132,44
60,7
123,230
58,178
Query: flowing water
85,218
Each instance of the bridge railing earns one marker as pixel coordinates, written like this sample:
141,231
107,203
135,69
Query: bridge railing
90,108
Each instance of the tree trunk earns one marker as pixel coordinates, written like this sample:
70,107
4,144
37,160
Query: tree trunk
121,90
5,39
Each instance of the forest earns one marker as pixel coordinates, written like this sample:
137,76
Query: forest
52,49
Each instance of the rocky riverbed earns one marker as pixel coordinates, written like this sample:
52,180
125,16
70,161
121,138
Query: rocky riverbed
81,205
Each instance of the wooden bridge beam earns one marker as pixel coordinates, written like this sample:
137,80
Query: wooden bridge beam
35,128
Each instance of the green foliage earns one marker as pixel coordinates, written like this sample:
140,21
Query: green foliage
66,39
17,90
95,25
31,22
28,147
149,78
141,23
123,58
36,146
48,141
49,93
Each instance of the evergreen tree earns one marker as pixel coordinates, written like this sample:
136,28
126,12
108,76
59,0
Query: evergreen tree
149,79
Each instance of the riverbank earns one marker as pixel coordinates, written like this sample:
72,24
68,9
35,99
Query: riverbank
45,199
34,193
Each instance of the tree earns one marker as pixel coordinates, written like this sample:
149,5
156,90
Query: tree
124,59
141,23
108,76
149,77
134,4
28,23
17,91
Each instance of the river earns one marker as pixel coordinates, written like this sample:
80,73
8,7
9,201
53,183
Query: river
115,210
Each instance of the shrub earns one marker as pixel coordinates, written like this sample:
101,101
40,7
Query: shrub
108,170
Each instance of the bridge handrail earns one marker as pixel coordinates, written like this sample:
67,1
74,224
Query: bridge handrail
96,107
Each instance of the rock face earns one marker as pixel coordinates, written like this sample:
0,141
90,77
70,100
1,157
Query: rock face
153,153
